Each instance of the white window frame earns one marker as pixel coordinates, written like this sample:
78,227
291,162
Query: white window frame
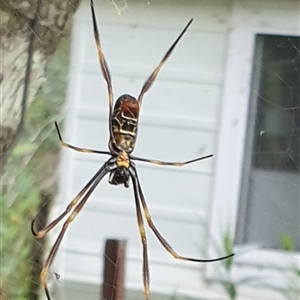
260,267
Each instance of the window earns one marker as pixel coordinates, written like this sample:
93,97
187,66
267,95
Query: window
270,195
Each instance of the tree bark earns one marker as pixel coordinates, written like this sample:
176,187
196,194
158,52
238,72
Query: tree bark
30,33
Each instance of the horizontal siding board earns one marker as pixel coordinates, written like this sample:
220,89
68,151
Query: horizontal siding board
164,143
92,227
182,100
163,189
209,291
197,52
211,15
81,268
156,120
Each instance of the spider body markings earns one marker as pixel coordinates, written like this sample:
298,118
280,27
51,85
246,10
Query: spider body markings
123,128
124,124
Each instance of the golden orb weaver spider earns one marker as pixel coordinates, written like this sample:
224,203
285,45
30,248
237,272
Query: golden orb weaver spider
123,126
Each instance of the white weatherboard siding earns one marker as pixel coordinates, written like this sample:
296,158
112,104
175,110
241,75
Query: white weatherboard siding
178,122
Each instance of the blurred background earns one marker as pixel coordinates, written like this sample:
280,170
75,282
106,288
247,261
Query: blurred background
231,88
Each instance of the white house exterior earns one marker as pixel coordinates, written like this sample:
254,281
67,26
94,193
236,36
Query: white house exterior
197,106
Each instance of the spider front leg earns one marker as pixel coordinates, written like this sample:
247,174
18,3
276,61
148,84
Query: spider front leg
41,233
104,67
84,195
154,74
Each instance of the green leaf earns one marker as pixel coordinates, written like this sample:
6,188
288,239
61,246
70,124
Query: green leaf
287,242
24,148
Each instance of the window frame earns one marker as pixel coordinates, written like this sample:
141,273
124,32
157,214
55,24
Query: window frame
262,267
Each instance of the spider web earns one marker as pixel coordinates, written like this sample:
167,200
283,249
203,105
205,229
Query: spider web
286,157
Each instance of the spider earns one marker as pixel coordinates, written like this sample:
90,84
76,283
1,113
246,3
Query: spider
123,126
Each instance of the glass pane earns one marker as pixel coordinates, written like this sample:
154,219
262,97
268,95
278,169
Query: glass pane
270,206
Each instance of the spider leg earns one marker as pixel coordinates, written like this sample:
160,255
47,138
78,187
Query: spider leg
143,238
46,229
103,64
84,150
161,239
152,77
165,163
91,186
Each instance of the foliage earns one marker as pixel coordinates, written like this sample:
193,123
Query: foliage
287,243
293,291
231,287
29,175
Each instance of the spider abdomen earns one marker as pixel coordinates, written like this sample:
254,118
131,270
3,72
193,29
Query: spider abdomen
124,124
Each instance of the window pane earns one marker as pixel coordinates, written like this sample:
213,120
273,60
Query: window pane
270,198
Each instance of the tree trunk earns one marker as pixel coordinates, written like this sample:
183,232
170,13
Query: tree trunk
30,33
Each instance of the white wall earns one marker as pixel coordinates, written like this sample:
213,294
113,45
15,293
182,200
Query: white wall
179,121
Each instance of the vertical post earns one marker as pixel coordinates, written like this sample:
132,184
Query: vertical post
114,269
